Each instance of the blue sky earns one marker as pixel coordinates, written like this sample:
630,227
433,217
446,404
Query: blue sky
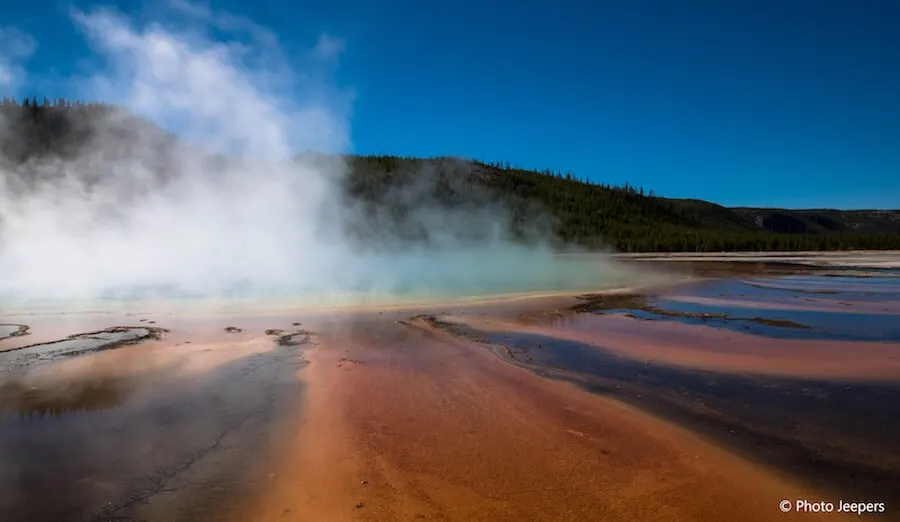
788,103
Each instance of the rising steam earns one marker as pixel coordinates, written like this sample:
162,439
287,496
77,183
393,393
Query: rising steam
229,207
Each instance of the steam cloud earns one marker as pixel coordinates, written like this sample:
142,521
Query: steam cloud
229,207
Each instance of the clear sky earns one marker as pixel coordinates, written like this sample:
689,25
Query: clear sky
791,103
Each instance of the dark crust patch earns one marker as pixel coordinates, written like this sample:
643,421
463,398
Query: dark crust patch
21,330
153,333
599,303
296,338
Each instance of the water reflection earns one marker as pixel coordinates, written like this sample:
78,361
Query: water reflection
116,445
780,323
742,306
838,435
22,401
833,434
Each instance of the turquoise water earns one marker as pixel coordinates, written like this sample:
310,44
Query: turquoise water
409,281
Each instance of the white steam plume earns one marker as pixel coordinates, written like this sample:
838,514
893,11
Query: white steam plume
228,206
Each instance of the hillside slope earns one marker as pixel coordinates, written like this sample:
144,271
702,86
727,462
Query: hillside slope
395,193
594,215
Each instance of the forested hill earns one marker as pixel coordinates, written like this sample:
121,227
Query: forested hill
633,219
587,214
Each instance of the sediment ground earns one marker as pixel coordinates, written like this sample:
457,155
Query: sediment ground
493,410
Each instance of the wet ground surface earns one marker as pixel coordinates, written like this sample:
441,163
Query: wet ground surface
148,421
810,307
22,359
12,330
114,436
838,434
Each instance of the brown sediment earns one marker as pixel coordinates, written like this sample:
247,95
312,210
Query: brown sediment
597,302
186,360
430,426
702,347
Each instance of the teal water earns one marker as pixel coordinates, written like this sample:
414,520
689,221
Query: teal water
409,281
